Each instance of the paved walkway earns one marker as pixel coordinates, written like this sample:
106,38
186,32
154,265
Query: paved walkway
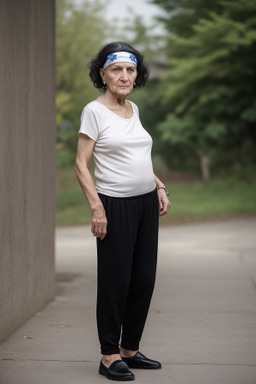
202,323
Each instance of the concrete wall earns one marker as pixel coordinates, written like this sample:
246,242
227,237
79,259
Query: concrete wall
27,159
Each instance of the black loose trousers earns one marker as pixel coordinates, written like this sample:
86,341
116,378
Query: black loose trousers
127,259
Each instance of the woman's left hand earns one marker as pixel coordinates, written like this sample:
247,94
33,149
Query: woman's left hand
164,203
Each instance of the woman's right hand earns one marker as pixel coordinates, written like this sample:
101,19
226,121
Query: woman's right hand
99,222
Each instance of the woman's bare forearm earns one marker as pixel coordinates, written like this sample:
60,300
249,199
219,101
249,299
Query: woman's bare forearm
87,185
99,219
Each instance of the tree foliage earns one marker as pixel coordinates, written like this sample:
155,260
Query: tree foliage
181,15
210,84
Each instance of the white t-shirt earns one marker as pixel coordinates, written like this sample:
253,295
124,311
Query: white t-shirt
122,153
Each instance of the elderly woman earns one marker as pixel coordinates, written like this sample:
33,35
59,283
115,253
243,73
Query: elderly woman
125,202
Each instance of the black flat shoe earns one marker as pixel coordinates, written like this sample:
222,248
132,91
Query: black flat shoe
142,362
118,371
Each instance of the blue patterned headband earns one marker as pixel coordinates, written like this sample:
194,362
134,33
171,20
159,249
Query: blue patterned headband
120,57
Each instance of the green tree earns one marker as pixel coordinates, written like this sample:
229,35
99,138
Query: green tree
181,15
80,33
210,84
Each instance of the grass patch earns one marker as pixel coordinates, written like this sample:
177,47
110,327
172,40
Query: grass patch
191,201
219,199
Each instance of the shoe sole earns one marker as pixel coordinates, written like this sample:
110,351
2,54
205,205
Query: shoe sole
124,378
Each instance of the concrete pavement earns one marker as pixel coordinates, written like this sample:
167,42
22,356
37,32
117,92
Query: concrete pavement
201,326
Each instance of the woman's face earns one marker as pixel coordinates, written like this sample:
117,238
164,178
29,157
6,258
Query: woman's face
120,78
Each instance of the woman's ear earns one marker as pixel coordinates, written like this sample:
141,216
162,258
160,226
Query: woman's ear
102,75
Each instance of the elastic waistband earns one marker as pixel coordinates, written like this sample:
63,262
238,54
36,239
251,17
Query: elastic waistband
132,197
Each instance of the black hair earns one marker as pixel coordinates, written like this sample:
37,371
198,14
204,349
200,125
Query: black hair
98,61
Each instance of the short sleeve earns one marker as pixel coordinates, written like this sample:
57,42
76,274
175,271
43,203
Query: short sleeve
135,108
89,124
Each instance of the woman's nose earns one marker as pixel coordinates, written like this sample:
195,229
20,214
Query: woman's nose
124,75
